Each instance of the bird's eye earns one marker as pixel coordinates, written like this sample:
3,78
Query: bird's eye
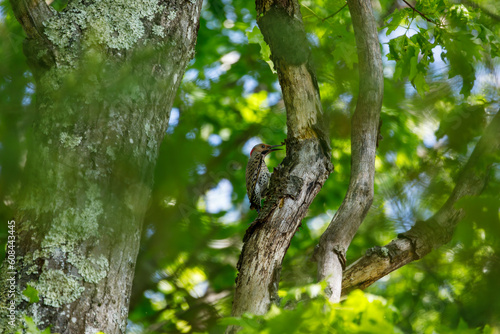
262,146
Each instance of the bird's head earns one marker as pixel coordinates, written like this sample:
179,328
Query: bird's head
264,149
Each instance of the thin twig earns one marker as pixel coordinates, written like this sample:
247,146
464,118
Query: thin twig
419,12
330,16
326,18
312,12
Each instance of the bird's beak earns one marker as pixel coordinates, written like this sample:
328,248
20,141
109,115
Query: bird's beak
272,148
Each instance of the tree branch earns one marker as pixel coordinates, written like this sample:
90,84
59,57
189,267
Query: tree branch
297,180
419,12
333,244
423,237
326,18
332,15
31,14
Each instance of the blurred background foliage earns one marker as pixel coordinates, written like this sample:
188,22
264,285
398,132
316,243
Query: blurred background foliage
441,88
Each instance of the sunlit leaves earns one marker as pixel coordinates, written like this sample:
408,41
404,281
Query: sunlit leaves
490,41
360,313
462,50
454,28
412,56
252,109
400,18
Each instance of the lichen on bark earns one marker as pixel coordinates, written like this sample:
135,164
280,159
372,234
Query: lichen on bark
106,75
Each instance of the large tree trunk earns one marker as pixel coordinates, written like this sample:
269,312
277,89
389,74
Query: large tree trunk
106,76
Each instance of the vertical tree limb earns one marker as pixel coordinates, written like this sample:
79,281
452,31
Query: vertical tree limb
31,14
334,242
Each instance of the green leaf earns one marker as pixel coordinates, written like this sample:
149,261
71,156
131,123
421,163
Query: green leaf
31,293
255,36
397,19
413,67
420,84
463,50
32,328
345,49
231,321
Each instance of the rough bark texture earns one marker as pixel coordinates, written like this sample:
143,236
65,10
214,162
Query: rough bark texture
425,236
297,180
106,76
333,244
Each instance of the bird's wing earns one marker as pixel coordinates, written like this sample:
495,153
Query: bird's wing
253,182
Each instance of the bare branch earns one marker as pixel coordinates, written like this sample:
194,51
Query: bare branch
330,252
422,238
31,14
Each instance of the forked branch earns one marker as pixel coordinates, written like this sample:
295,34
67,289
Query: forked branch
333,244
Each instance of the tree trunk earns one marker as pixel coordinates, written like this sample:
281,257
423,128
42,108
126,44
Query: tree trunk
106,75
297,180
334,242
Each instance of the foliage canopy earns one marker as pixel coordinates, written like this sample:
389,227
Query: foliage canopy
442,80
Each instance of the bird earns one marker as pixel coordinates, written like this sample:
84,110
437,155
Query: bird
257,175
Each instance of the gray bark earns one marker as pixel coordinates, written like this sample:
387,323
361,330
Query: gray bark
334,242
106,76
297,180
427,235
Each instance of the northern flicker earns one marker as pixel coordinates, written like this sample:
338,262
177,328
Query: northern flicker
257,174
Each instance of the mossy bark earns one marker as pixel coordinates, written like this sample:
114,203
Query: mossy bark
106,79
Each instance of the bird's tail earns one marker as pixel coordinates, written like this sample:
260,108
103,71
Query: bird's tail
254,207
